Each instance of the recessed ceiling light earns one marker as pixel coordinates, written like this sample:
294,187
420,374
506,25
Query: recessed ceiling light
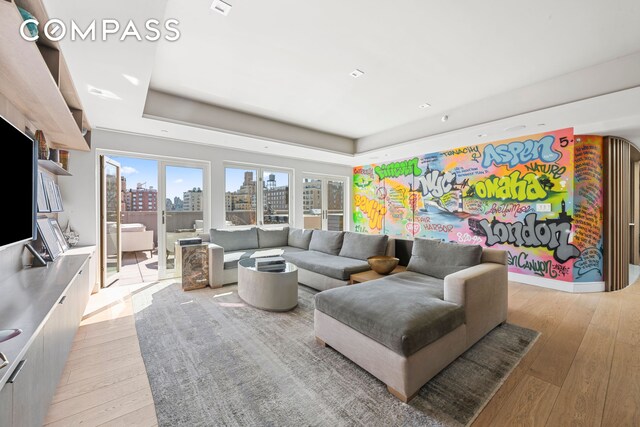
356,73
164,131
514,128
102,93
221,7
445,118
425,105
542,124
266,146
482,135
133,80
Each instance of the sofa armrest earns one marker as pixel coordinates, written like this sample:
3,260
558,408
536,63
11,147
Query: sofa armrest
391,247
216,265
483,292
494,255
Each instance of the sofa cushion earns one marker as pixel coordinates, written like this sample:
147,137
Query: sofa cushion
299,238
363,246
439,259
401,314
234,240
273,238
231,258
329,242
334,266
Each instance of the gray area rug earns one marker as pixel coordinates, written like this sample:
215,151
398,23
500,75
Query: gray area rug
212,360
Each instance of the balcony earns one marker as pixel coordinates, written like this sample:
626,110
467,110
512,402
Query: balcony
179,225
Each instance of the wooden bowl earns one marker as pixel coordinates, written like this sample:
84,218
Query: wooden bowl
383,264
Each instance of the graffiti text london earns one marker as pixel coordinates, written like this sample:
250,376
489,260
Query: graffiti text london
554,236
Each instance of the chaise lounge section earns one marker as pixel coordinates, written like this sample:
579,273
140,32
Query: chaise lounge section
406,328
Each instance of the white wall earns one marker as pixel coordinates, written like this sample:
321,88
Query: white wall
80,192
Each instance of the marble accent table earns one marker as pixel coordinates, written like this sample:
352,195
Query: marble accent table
192,263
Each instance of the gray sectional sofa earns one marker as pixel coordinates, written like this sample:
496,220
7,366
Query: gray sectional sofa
407,327
325,259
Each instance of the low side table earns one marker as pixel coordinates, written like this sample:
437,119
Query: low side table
365,276
192,263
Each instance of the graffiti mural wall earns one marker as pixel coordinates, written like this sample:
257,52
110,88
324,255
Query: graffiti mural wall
588,199
516,195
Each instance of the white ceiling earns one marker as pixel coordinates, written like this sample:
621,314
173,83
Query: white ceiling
289,61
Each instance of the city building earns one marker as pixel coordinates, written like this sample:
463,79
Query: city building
312,196
140,198
192,200
243,199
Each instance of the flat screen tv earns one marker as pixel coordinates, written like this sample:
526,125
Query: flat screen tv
19,186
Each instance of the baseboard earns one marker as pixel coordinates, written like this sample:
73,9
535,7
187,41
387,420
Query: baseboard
557,284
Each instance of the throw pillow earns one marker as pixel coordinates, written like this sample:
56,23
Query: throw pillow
273,238
235,240
438,259
363,246
299,238
329,242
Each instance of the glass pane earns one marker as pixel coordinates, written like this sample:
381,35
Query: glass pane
139,216
312,203
184,205
275,197
335,208
240,196
112,199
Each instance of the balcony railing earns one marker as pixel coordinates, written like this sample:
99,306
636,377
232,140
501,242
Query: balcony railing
179,222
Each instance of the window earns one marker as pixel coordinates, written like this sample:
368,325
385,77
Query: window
323,203
275,190
247,189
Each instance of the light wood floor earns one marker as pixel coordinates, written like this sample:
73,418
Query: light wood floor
583,370
138,267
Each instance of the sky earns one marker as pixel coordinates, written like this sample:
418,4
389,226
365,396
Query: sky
235,178
179,179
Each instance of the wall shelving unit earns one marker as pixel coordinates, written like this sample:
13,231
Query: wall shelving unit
35,76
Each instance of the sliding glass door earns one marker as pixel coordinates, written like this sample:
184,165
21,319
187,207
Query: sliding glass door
323,200
183,210
110,205
335,204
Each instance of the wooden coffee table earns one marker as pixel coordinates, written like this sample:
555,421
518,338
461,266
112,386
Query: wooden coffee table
365,276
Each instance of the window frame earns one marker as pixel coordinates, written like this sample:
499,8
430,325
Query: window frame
325,179
260,196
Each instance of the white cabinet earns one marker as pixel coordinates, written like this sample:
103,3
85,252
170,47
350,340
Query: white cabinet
25,398
6,406
30,401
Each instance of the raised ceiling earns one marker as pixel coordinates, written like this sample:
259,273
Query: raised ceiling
290,60
278,71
